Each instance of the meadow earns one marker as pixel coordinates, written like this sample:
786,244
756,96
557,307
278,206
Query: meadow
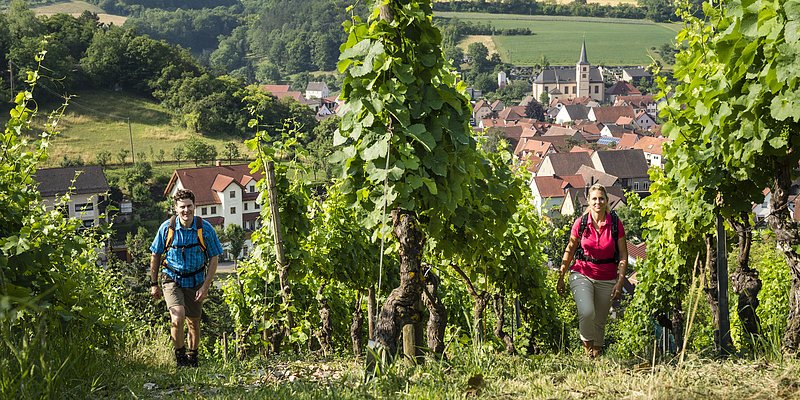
75,8
97,121
609,41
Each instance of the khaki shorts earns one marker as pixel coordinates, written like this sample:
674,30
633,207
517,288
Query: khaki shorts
178,296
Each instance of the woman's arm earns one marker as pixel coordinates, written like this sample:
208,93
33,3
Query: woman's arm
622,266
569,254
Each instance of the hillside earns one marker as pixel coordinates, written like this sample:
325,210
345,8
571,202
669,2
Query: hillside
75,8
97,121
609,41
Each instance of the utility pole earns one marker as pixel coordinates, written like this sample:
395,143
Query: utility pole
130,134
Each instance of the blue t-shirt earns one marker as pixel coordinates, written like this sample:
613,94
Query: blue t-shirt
186,259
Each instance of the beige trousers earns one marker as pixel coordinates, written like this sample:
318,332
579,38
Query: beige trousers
593,298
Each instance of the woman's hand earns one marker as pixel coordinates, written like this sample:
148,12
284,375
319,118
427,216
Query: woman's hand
616,292
155,291
562,291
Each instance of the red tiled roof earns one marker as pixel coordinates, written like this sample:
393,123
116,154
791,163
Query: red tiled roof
203,180
579,149
560,131
512,113
622,88
623,120
538,147
532,162
216,221
627,141
638,101
275,89
610,115
650,144
555,186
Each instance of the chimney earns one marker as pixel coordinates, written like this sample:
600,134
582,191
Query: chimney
218,163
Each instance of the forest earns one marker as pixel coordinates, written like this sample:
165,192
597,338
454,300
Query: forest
420,269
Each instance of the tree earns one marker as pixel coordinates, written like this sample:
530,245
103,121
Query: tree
402,101
544,98
178,154
234,236
103,158
199,151
535,110
122,155
478,57
232,152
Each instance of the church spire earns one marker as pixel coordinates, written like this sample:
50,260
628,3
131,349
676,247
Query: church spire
583,59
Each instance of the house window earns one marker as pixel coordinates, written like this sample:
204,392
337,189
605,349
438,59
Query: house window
83,207
583,76
636,186
245,206
646,185
258,206
204,211
213,209
233,210
232,194
88,223
597,88
252,188
545,89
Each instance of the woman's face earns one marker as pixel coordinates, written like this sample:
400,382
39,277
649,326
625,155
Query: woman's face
597,200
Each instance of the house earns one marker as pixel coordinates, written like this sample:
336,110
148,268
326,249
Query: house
511,134
572,113
283,92
224,194
531,146
481,110
639,103
592,176
502,79
563,164
317,90
627,141
644,121
549,191
630,166
616,131
610,115
636,74
636,252
575,200
583,80
651,146
88,193
621,88
497,106
511,114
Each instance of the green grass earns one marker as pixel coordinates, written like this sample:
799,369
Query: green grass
97,121
609,41
149,373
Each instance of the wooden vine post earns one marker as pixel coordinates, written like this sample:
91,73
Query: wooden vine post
283,268
723,333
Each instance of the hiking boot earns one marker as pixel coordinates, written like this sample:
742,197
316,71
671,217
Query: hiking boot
181,359
191,358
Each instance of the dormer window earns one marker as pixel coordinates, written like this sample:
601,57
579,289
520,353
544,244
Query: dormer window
252,188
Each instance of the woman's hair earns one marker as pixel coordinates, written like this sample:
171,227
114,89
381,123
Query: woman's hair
598,188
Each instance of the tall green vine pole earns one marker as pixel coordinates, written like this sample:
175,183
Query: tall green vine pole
404,142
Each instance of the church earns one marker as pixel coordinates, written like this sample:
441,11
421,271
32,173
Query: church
569,83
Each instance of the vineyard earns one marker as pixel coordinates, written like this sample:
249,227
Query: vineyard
421,269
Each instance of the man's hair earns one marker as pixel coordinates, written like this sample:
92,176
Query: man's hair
183,194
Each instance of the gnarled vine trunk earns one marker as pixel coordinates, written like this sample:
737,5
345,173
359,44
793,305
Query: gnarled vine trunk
745,281
500,313
481,300
400,307
437,313
678,322
786,234
326,328
355,329
712,289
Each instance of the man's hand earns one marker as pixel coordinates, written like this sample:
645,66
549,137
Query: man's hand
155,291
201,293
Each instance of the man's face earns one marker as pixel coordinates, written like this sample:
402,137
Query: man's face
184,209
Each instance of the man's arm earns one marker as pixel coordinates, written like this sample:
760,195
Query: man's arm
155,263
212,270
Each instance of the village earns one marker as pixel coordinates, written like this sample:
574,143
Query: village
590,134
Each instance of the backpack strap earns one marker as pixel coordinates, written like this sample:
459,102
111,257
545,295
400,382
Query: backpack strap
615,234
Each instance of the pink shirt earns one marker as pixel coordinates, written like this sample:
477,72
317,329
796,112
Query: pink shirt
598,245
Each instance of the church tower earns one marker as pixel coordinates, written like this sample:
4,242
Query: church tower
582,74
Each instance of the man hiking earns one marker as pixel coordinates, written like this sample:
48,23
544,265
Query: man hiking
186,251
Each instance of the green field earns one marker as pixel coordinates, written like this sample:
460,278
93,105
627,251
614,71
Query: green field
609,41
97,121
